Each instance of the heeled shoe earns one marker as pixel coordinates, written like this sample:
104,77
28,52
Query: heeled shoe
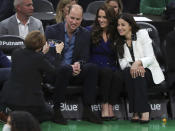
135,120
113,118
135,115
88,115
106,118
145,121
58,118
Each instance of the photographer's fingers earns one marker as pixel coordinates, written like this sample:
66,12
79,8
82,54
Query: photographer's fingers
59,47
45,48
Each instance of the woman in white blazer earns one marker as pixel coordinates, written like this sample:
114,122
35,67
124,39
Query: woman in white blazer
138,62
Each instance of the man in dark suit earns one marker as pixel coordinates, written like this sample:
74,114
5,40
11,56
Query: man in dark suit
74,67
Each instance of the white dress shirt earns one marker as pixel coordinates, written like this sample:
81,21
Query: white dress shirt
23,29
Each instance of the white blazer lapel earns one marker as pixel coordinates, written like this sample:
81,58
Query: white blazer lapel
138,51
127,54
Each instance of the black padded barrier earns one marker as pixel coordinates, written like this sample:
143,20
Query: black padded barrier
8,43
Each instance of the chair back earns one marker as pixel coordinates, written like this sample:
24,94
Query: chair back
154,35
43,6
8,43
90,13
93,6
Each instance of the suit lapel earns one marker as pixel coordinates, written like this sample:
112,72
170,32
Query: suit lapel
13,26
127,54
31,25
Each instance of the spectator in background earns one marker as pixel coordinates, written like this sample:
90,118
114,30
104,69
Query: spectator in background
21,121
55,3
153,7
74,68
104,55
6,9
131,6
22,22
62,9
116,4
138,62
74,1
23,90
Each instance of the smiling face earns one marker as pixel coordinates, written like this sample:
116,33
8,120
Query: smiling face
124,28
74,18
102,20
115,5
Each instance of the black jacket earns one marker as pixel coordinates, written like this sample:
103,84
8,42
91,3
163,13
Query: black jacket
82,42
24,85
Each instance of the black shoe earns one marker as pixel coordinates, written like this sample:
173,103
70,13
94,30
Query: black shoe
113,118
145,121
88,115
135,120
58,117
106,118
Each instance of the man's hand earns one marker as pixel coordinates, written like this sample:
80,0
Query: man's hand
59,47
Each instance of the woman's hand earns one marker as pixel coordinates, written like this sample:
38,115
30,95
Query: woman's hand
141,71
137,69
59,47
45,48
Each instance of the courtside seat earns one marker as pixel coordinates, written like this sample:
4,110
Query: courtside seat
91,10
154,35
8,43
44,11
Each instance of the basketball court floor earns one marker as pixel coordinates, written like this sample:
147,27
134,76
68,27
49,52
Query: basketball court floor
119,125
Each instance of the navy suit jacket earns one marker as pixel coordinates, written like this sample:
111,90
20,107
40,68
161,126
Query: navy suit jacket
82,42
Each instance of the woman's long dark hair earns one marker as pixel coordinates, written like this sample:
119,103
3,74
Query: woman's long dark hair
97,31
120,40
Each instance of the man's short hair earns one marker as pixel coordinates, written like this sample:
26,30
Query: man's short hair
17,2
75,5
35,40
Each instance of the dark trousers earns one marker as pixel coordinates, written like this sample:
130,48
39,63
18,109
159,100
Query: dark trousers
110,85
137,91
87,77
